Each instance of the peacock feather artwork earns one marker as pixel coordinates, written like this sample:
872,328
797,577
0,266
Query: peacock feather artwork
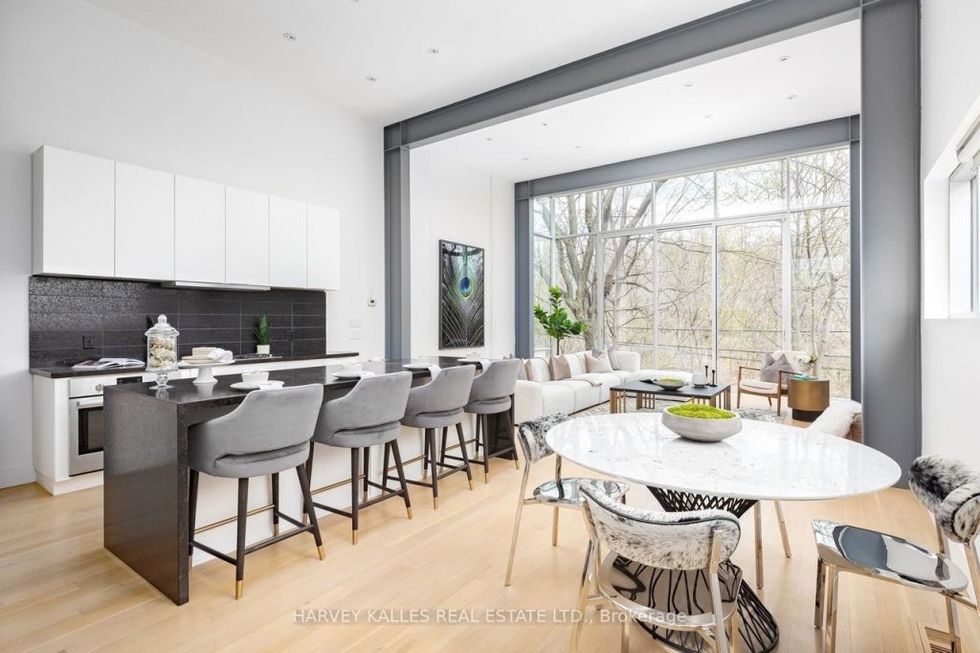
460,295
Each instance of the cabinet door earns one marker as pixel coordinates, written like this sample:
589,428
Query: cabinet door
144,223
246,237
74,213
287,242
323,248
199,230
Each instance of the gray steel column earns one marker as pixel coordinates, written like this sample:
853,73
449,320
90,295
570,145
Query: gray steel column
855,259
523,271
890,302
398,270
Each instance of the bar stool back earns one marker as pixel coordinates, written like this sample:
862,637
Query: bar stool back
267,433
366,416
492,394
439,404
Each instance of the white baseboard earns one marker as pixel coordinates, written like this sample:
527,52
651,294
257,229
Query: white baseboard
16,476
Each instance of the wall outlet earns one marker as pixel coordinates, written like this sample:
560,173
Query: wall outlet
88,342
372,302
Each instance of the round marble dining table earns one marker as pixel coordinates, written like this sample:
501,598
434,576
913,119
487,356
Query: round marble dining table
765,461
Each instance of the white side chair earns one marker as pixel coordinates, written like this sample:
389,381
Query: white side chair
686,550
557,493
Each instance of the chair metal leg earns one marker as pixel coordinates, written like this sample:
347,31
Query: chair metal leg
365,467
430,438
734,638
192,510
830,613
819,596
510,429
517,528
401,476
275,503
782,529
240,548
721,639
582,604
624,637
554,527
951,618
757,514
355,465
304,486
462,450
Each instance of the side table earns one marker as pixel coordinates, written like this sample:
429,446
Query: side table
808,398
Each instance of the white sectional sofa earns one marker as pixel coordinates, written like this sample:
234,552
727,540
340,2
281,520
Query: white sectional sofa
540,395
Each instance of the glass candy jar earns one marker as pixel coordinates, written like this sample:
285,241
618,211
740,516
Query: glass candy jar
161,351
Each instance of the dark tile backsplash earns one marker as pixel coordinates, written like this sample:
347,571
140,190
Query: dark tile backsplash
111,316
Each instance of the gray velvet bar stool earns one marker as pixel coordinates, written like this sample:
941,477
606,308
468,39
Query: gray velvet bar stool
368,415
439,404
491,394
268,433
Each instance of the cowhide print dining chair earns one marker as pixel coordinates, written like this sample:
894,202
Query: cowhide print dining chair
557,493
950,491
687,552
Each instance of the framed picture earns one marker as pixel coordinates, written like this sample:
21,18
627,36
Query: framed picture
460,295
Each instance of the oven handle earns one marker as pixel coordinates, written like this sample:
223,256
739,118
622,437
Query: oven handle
89,403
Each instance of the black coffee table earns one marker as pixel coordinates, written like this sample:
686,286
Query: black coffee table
646,394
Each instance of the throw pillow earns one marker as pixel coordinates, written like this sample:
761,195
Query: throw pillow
598,363
560,368
522,371
611,353
771,367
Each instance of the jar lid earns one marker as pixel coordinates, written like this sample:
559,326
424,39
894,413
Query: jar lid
162,328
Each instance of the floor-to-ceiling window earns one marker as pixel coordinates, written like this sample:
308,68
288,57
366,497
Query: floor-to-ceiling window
714,267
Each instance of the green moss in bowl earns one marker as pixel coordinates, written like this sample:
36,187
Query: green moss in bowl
700,411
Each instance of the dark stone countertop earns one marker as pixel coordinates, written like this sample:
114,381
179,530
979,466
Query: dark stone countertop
68,372
187,395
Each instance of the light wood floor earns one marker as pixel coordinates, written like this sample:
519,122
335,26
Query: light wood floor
60,590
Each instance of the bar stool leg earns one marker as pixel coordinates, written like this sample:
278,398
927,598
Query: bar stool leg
486,448
425,454
401,476
442,452
366,467
192,511
386,456
462,448
309,477
304,486
275,503
430,442
510,431
240,549
355,464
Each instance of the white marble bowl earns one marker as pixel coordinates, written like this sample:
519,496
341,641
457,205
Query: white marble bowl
668,384
702,430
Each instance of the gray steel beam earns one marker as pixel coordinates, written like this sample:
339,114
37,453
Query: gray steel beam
758,146
855,259
398,315
523,272
890,287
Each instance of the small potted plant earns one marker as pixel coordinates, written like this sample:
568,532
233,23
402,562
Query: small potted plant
263,334
556,323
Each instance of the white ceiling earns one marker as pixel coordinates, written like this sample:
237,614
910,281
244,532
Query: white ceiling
482,44
744,94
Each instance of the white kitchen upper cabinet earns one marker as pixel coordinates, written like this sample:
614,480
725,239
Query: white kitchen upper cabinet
287,242
199,230
246,237
74,213
323,248
144,223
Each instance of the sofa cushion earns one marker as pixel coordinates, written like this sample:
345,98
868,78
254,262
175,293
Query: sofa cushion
560,369
522,371
576,362
598,379
584,394
538,370
557,397
598,363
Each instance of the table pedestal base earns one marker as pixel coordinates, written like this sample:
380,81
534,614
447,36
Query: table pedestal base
759,630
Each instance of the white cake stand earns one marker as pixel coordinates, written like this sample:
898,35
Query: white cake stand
205,374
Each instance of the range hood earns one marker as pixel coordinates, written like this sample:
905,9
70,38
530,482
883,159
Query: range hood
215,286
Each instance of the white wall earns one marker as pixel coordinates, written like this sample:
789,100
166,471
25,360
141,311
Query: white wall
452,202
77,77
950,347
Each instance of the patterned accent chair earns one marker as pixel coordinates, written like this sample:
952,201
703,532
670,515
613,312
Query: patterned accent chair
685,549
950,491
557,493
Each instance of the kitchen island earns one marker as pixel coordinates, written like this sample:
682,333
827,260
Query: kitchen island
146,464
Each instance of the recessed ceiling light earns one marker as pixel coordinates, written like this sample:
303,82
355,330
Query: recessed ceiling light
544,124
289,36
688,84
578,147
785,57
708,115
488,138
792,97
524,158
371,78
433,50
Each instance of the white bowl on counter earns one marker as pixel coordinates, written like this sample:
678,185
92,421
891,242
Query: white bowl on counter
700,429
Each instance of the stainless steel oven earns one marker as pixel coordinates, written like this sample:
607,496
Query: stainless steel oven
86,421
